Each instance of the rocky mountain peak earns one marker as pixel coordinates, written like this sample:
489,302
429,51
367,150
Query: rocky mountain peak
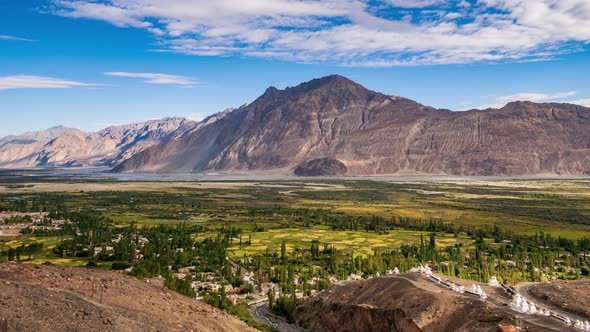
332,85
333,125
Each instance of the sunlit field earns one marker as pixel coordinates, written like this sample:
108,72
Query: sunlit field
559,207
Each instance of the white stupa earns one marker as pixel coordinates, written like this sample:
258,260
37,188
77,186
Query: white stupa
494,282
396,270
524,307
516,302
532,309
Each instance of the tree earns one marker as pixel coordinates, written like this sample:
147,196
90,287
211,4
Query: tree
283,251
271,298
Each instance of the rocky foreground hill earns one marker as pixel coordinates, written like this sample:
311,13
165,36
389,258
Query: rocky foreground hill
333,126
51,298
407,303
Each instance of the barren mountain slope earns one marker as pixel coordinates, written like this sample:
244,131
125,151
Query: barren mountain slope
58,147
50,298
371,133
571,295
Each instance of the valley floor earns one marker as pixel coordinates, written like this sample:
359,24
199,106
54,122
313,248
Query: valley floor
228,241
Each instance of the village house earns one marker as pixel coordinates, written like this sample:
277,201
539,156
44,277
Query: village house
197,285
212,287
354,277
180,276
100,250
229,289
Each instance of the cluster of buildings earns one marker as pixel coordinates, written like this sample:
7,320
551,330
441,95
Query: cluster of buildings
109,249
31,220
212,282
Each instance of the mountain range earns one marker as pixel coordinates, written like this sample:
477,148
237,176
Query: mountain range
70,147
331,126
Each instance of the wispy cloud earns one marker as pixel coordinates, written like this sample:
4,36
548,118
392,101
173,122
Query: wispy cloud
353,32
415,3
532,96
196,116
38,82
529,96
5,37
156,78
583,102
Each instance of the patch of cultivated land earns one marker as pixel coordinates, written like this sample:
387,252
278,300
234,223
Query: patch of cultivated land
359,241
571,295
558,207
51,298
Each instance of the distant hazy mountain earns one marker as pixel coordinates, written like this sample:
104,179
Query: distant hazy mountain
62,147
44,135
335,126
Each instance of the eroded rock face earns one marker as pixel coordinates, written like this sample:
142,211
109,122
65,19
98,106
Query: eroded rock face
321,167
372,133
359,319
395,304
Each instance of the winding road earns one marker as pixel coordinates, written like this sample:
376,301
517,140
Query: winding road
524,290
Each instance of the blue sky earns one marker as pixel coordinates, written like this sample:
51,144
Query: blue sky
91,63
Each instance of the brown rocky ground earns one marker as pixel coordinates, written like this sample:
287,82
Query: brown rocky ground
405,303
51,298
571,296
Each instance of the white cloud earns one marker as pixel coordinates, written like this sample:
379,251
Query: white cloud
415,3
38,82
353,32
532,96
529,96
583,102
110,13
155,78
196,116
464,4
5,37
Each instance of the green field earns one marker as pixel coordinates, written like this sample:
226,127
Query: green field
559,207
358,242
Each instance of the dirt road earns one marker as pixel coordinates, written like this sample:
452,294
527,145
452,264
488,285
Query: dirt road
262,313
